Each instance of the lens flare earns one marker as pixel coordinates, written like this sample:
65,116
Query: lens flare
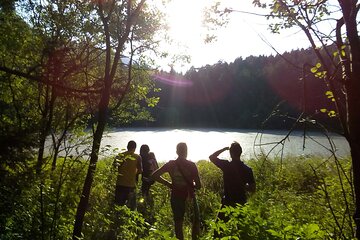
173,80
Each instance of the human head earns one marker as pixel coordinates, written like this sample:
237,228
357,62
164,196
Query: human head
144,150
131,146
181,150
235,150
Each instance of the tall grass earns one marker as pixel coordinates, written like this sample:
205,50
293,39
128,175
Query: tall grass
296,198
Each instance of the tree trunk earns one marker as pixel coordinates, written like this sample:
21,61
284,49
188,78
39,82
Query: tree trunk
110,70
350,12
45,128
354,142
355,154
353,90
84,200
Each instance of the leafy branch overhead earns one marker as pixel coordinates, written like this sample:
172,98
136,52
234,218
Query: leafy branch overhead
338,53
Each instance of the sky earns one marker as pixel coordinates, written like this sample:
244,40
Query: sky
239,38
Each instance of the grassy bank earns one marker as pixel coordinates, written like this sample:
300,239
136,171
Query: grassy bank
296,198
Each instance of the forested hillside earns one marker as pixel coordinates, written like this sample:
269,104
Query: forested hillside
242,94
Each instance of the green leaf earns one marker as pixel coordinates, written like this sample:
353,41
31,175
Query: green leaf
332,113
314,69
288,228
323,110
329,94
313,228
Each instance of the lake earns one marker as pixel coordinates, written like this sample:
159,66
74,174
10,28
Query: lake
203,142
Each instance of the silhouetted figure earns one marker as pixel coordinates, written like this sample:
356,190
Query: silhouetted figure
238,178
184,180
129,165
149,165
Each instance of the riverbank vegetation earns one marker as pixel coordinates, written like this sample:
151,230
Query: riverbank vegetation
297,198
67,66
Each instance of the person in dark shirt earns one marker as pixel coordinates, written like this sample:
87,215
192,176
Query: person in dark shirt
238,177
149,165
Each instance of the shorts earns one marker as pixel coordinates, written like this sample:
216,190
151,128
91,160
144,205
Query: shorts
145,186
178,206
125,195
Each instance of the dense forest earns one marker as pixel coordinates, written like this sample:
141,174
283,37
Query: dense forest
242,94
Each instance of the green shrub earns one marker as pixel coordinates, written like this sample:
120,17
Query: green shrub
296,198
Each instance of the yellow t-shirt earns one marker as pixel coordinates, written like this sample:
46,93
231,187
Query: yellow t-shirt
127,169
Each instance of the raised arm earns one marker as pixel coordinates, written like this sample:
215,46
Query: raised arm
157,175
213,157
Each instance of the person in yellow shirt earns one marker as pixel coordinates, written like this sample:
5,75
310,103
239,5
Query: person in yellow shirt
129,165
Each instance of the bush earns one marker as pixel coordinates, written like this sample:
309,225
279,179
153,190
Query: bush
296,198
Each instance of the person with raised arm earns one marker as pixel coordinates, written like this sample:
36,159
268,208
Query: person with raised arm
238,178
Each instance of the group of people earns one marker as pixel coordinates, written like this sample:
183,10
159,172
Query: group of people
129,166
185,180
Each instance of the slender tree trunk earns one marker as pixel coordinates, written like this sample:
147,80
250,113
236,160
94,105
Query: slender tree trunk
350,11
84,200
354,142
110,70
355,154
45,129
353,90
56,153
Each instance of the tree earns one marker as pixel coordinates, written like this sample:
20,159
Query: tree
338,53
120,21
48,65
70,63
50,59
18,125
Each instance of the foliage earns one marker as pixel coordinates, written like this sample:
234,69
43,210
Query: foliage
242,94
337,52
18,121
65,73
23,215
297,197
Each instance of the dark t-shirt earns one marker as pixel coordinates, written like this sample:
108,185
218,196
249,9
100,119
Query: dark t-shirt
149,166
236,175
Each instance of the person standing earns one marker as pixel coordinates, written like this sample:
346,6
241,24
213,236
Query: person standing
238,177
184,180
149,165
129,165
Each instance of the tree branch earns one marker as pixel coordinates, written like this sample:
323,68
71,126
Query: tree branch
50,83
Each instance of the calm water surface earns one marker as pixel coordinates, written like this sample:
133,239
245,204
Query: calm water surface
203,142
